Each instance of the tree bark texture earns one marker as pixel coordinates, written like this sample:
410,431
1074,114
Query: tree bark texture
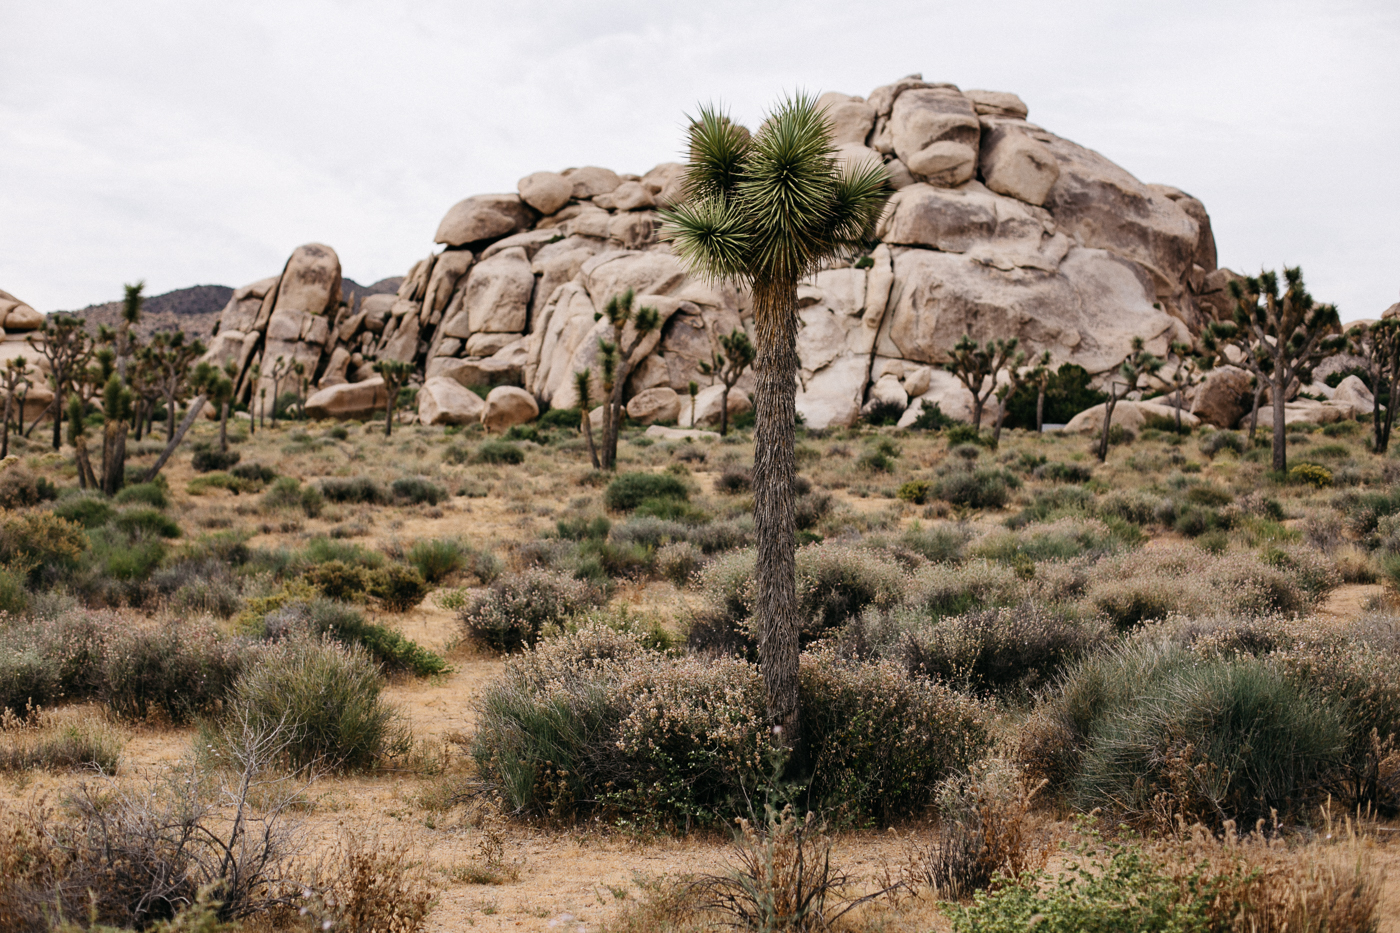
86,479
1280,438
113,457
774,474
196,407
1108,407
1040,411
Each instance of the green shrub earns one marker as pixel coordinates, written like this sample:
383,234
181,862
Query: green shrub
1066,395
153,494
569,418
733,481
14,598
629,490
1310,474
583,528
1209,495
916,491
457,454
983,488
883,414
1063,539
149,522
326,695
1155,730
88,511
287,492
952,589
116,556
257,473
1341,429
518,607
497,451
438,558
1056,472
965,434
335,579
207,458
416,490
360,490
323,550
931,418
317,618
1194,521
40,542
398,588
179,670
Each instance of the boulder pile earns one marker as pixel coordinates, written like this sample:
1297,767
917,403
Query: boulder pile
999,228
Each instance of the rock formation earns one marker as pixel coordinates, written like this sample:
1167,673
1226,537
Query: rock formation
998,228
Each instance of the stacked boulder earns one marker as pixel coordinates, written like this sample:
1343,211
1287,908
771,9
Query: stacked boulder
998,228
18,340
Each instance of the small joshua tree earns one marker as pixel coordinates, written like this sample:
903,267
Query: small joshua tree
1290,332
581,382
1040,376
395,373
694,389
1138,363
1188,372
131,316
619,356
281,369
77,439
15,382
1378,344
977,367
116,418
69,349
728,367
1014,380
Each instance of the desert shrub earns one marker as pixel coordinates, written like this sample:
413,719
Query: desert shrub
335,579
88,511
736,533
648,531
328,695
438,559
518,607
207,458
1062,539
46,661
497,451
1208,495
123,559
416,490
199,584
1010,650
581,528
879,457
1310,474
1129,505
732,482
630,490
1365,510
324,550
959,434
1137,587
177,671
674,510
20,488
287,492
1195,520
359,490
14,597
457,454
916,491
982,488
1056,472
883,413
810,509
256,472
944,542
1066,395
397,587
561,418
678,561
147,522
952,589
879,738
325,618
931,418
1153,732
40,542
154,494
44,741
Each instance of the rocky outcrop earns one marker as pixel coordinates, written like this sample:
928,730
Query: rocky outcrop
998,228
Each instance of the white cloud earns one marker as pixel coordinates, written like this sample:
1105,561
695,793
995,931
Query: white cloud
192,143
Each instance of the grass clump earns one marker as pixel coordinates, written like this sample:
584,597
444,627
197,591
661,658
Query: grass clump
154,494
981,488
147,522
360,490
324,618
327,696
499,451
87,511
630,490
417,491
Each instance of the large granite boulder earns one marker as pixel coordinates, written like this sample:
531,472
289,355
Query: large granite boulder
445,401
1224,397
348,400
507,406
483,217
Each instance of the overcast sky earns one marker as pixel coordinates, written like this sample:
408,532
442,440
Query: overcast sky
199,143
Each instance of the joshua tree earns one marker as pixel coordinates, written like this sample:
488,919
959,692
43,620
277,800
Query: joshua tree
77,439
254,372
15,381
977,368
1379,345
619,356
766,212
1039,376
581,382
281,368
1215,339
68,348
1015,379
728,369
1188,371
694,389
395,373
131,316
116,414
1138,363
170,358
218,385
1290,333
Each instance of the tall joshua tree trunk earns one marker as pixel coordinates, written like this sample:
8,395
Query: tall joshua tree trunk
774,474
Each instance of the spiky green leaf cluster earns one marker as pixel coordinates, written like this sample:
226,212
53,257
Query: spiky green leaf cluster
773,207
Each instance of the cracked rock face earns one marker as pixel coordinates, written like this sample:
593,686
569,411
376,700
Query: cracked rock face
998,228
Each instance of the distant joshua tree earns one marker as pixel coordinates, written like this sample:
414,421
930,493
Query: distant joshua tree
728,368
977,368
1129,374
395,374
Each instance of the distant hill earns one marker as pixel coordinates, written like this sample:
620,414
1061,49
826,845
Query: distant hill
195,309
